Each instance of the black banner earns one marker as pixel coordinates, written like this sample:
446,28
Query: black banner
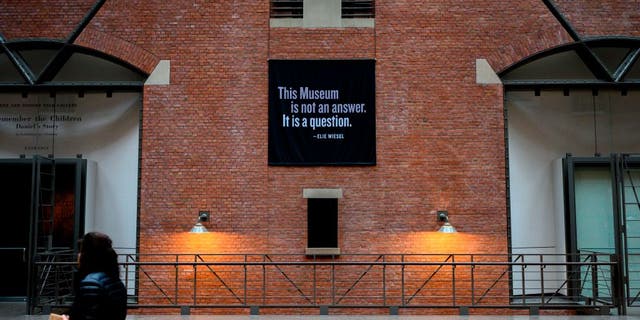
322,112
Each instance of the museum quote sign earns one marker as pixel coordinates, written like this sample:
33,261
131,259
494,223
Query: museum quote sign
322,112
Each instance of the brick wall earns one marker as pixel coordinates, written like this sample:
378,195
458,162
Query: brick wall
440,136
602,18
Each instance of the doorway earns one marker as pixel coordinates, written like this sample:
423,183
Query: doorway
603,211
30,225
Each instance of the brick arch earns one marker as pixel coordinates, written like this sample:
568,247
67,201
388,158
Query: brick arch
527,46
119,48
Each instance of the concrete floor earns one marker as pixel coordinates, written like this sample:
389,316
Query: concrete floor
16,311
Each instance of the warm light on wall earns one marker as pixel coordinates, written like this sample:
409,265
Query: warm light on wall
190,242
213,242
434,242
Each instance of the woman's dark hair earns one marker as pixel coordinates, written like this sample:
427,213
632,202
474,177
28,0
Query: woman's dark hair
97,255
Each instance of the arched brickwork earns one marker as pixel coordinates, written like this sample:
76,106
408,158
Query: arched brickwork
119,48
521,48
589,18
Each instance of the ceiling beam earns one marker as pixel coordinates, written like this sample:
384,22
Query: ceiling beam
85,21
62,56
586,54
17,61
625,66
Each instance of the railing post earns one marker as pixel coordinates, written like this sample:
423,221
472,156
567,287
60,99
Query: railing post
195,276
245,280
473,284
594,278
453,279
185,310
264,280
542,279
617,284
333,284
254,310
403,303
126,271
523,279
384,282
176,287
315,282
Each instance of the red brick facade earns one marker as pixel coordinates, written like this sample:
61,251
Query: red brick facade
440,136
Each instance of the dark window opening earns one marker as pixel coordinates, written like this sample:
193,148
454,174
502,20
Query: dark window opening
286,8
322,223
358,8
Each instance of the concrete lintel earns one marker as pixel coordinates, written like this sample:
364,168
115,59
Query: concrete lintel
359,23
285,23
322,193
322,251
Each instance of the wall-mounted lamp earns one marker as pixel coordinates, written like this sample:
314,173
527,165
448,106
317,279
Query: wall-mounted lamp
203,216
443,216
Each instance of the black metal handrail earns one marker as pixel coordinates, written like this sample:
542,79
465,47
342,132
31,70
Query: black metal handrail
188,281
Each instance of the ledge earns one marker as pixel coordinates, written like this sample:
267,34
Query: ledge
322,251
322,193
300,23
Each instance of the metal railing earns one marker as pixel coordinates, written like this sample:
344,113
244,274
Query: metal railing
633,279
255,281
54,277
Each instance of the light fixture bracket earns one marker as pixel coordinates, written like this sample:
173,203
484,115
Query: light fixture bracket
443,216
203,216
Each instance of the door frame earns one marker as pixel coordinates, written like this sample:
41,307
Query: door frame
614,163
79,176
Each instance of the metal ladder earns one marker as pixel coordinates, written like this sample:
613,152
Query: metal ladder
630,199
45,190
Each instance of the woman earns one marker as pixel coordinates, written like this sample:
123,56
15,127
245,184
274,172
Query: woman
100,294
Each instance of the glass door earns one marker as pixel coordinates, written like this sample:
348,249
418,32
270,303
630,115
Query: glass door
20,241
593,225
15,197
594,210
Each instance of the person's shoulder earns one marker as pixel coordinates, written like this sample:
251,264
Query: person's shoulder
99,279
96,277
103,280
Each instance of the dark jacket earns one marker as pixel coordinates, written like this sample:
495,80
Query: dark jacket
99,297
